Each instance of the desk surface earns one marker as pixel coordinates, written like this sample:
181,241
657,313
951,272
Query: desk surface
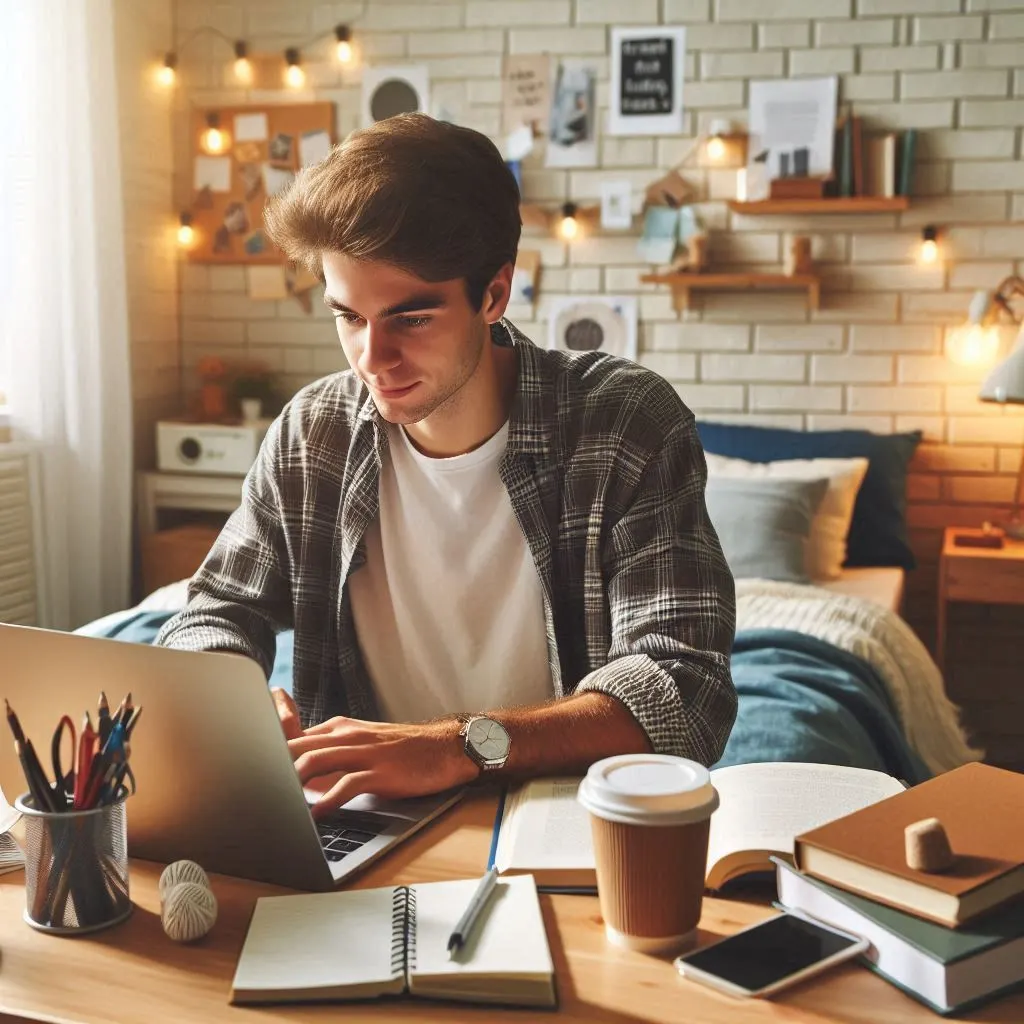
134,973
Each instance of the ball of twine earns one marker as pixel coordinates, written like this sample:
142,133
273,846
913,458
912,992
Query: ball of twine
181,871
188,912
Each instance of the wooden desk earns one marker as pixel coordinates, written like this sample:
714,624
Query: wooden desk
134,973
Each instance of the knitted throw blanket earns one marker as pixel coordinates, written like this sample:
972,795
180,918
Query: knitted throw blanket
930,721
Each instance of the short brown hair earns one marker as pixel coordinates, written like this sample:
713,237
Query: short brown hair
432,198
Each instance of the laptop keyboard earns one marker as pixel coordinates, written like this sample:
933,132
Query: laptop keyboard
346,832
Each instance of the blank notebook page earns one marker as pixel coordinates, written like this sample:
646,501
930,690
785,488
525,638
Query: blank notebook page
509,940
324,940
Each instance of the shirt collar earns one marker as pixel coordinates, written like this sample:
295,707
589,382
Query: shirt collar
532,416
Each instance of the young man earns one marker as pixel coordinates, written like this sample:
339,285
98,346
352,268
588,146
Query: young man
493,557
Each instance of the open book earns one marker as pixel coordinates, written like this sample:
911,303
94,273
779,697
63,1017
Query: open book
378,942
543,830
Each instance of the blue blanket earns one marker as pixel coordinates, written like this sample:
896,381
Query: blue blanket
800,699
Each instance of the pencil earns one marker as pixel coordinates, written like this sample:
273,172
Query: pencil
12,721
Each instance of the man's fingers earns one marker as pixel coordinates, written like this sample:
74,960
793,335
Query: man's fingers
329,725
331,759
287,712
352,785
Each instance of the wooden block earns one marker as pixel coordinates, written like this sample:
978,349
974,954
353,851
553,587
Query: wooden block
927,846
796,188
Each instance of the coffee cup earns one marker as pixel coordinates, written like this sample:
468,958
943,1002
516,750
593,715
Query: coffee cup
649,817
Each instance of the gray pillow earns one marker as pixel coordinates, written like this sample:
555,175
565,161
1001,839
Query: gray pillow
764,523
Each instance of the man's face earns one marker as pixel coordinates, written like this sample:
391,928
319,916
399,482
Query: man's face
414,343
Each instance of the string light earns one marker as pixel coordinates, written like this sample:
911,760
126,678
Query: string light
214,139
165,74
715,147
243,66
929,252
569,226
344,49
294,76
186,233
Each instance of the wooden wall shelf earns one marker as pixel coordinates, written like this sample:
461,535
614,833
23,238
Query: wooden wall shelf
843,204
683,282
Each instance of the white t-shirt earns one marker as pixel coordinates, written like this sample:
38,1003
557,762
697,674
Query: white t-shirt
448,608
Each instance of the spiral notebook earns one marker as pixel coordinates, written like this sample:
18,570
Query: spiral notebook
368,943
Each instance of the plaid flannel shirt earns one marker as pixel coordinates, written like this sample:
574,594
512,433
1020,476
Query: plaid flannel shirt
606,477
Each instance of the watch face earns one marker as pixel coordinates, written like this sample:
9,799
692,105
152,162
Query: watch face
489,739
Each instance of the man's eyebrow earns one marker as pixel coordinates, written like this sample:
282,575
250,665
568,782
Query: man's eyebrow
413,304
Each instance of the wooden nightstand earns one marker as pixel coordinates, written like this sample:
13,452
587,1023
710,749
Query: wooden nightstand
976,575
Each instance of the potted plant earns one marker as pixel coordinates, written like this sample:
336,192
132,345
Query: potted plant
252,390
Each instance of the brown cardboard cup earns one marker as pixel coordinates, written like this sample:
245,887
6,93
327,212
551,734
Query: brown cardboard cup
649,815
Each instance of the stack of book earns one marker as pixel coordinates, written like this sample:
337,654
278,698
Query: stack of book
872,165
951,939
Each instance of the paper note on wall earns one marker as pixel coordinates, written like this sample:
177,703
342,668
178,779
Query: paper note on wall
267,282
313,147
275,179
658,242
250,127
212,172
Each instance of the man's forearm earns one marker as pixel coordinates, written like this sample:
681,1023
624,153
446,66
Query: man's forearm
566,736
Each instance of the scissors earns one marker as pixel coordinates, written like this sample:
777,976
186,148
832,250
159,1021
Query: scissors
64,782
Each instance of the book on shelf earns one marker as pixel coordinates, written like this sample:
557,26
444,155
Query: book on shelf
367,943
880,165
948,970
908,149
980,808
541,828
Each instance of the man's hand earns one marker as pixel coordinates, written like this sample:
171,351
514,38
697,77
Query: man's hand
390,760
291,723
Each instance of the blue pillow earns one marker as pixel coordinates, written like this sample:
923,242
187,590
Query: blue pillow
763,524
878,531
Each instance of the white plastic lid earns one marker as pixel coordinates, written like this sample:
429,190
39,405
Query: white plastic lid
648,789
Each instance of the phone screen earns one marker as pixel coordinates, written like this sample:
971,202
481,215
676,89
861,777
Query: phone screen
761,956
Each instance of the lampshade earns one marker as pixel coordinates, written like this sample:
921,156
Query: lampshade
1006,382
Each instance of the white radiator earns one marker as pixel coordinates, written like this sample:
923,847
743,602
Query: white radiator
22,587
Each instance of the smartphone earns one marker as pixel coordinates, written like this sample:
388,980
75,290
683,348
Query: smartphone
770,956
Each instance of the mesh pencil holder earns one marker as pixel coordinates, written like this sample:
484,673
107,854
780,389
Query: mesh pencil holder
76,868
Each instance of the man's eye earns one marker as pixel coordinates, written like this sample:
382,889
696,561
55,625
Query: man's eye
349,318
414,321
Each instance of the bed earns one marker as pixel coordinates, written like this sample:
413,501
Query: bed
881,584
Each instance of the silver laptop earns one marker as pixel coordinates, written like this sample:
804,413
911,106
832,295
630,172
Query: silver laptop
216,783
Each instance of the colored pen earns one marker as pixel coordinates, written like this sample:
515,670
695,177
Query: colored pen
44,798
12,721
464,929
103,718
86,751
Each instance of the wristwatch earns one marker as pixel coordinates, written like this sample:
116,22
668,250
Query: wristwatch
487,742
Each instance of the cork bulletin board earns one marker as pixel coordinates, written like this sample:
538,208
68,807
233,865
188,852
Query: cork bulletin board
262,148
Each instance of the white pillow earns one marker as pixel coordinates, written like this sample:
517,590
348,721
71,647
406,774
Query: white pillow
826,547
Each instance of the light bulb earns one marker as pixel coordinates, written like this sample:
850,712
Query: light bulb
186,235
165,75
929,251
214,140
243,70
972,344
295,77
569,227
344,49
716,148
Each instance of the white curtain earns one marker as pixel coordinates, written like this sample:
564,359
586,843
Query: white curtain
64,352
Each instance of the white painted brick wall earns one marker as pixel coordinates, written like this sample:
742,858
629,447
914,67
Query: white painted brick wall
870,357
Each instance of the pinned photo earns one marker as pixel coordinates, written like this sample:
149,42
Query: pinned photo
598,323
248,152
255,243
236,218
252,178
524,278
222,240
281,147
572,130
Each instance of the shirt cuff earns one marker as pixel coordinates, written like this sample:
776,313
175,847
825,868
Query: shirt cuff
652,697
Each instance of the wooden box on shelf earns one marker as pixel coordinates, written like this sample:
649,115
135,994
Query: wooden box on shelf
174,554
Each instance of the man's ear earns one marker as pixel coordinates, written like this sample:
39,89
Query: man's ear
497,294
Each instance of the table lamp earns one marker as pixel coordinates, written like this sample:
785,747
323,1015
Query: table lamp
1005,384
